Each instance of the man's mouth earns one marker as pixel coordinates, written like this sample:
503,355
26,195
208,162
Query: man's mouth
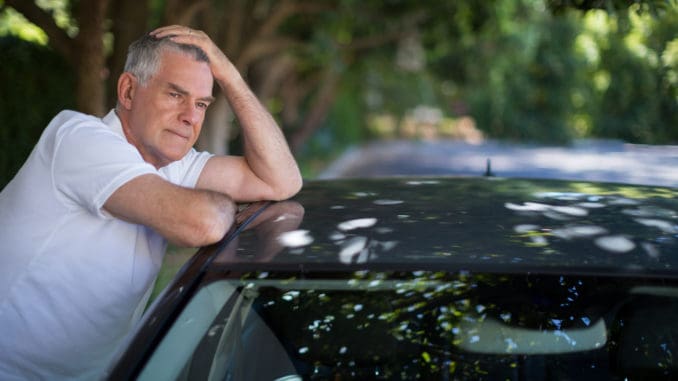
179,134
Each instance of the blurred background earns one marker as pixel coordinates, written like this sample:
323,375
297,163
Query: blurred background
338,74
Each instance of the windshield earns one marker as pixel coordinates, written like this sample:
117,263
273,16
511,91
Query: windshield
426,325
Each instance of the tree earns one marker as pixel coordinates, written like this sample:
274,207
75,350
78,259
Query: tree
32,98
84,51
638,100
274,44
302,56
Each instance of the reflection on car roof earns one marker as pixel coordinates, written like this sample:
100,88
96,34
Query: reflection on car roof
481,224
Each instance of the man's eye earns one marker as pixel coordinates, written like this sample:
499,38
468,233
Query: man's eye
202,105
174,95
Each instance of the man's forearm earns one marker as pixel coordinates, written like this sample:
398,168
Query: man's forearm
186,217
265,147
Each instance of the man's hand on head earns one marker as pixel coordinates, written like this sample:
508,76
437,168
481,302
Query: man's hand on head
219,63
268,169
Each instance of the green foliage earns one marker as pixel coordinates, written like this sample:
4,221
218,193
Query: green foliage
640,102
344,127
36,84
14,23
545,71
548,72
612,6
522,89
395,91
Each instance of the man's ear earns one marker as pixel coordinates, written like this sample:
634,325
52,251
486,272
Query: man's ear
127,84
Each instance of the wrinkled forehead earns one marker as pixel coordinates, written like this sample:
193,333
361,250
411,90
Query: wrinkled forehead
179,68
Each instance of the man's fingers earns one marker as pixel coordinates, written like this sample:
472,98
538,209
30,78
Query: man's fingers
175,30
164,31
182,34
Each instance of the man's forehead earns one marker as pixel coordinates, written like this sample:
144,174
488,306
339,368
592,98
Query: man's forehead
178,88
179,69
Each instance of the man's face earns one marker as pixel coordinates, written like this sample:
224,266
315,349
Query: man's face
167,113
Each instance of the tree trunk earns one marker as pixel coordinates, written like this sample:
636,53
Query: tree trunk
85,52
182,12
130,21
58,38
217,127
91,72
318,111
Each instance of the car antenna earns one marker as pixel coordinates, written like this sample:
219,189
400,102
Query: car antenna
488,168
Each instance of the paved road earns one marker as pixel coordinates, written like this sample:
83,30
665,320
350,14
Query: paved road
595,160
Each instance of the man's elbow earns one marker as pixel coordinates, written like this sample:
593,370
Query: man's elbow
289,188
208,224
204,232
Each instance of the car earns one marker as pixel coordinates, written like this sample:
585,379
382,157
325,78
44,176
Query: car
431,278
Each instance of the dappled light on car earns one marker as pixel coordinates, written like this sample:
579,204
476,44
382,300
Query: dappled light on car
356,248
578,231
574,205
357,224
523,226
352,247
278,224
552,211
527,207
615,244
387,202
650,211
295,238
359,249
664,226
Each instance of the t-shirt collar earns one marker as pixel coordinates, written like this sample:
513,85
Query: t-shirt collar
113,122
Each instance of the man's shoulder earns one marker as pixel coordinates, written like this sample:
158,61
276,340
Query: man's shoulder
67,123
67,117
78,124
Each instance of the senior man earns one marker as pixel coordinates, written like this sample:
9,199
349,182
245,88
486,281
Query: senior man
85,221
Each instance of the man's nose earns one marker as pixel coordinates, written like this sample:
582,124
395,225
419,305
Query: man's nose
190,114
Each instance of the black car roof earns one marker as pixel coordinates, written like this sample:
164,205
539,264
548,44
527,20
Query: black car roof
459,223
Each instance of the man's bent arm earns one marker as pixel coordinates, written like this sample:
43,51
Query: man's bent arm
273,169
186,217
268,169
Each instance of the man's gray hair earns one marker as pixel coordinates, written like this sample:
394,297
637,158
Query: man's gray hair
143,55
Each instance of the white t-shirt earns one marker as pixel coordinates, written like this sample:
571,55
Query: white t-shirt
73,279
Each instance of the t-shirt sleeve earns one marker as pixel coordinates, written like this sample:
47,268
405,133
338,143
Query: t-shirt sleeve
91,162
186,171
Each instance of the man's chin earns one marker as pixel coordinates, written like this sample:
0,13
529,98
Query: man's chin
174,155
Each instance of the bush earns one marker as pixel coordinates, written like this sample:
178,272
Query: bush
36,84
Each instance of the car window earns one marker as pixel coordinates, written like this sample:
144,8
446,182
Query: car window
174,353
422,325
212,335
